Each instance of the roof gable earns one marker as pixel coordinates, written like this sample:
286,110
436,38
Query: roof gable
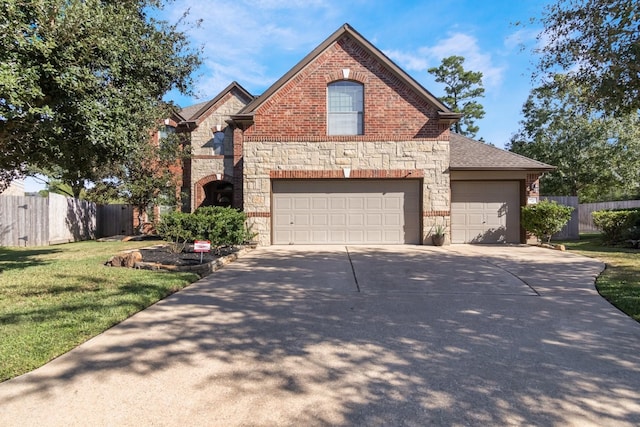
469,154
444,113
198,112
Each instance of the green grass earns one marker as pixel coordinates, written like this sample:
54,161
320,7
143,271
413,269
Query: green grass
620,282
54,298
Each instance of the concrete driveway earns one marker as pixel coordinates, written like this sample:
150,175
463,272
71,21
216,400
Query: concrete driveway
404,335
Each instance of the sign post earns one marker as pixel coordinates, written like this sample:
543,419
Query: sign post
201,246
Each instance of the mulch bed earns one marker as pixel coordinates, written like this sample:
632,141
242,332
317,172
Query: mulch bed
161,254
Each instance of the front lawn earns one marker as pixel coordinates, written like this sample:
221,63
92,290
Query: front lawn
619,283
54,298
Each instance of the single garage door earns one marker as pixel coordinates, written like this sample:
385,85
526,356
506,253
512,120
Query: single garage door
485,211
348,211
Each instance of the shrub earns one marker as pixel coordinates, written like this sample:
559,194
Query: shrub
618,225
177,228
221,226
544,219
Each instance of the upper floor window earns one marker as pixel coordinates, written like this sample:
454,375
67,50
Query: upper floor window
165,131
218,143
345,104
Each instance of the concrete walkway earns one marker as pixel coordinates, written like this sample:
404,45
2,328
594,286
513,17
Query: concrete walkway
404,335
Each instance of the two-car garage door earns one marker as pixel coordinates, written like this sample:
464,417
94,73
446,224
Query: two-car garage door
347,211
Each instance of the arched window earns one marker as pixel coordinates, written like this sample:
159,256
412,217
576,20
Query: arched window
345,105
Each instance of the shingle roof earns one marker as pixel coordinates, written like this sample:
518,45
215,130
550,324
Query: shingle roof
188,112
469,154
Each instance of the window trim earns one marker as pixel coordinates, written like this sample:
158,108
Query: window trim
359,114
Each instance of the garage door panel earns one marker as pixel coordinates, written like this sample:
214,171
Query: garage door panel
355,220
302,204
338,236
319,203
355,236
301,219
301,234
319,219
373,204
392,220
346,211
374,220
485,212
337,203
321,236
356,203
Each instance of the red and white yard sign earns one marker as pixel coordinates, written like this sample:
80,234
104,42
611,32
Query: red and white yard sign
201,246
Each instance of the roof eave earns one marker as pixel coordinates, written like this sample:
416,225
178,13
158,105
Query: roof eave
242,121
515,168
449,117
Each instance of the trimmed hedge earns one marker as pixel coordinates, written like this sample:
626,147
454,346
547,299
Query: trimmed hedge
545,219
221,226
618,225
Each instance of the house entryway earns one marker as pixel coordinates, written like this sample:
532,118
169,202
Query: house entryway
218,193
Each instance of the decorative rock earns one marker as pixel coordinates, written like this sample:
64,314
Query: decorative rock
125,259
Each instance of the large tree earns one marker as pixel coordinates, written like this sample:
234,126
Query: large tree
81,83
598,43
147,178
597,156
462,87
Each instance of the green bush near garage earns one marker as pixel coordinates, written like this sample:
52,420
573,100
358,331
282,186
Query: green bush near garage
545,219
221,226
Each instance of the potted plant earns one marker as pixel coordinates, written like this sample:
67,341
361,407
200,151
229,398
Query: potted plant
438,234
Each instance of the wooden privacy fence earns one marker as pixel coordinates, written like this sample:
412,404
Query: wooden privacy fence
39,221
571,230
115,220
586,209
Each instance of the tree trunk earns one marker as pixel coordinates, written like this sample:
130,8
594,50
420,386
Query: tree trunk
140,223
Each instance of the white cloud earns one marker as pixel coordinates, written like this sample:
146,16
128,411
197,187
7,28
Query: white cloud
455,44
520,39
237,38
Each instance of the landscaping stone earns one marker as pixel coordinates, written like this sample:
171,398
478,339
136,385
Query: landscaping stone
125,259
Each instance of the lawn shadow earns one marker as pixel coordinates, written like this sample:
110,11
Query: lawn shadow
18,259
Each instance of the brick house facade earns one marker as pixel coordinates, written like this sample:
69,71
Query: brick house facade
390,177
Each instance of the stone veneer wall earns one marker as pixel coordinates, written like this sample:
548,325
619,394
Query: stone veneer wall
367,159
204,163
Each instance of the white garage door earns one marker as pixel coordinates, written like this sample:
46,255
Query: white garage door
485,212
346,211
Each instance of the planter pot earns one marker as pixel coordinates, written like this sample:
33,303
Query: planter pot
437,239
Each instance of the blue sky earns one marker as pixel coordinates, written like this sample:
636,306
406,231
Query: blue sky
255,42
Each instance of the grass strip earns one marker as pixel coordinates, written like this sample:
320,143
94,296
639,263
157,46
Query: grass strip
54,298
619,283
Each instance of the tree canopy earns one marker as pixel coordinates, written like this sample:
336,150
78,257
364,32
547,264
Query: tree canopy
462,87
596,42
597,156
81,83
